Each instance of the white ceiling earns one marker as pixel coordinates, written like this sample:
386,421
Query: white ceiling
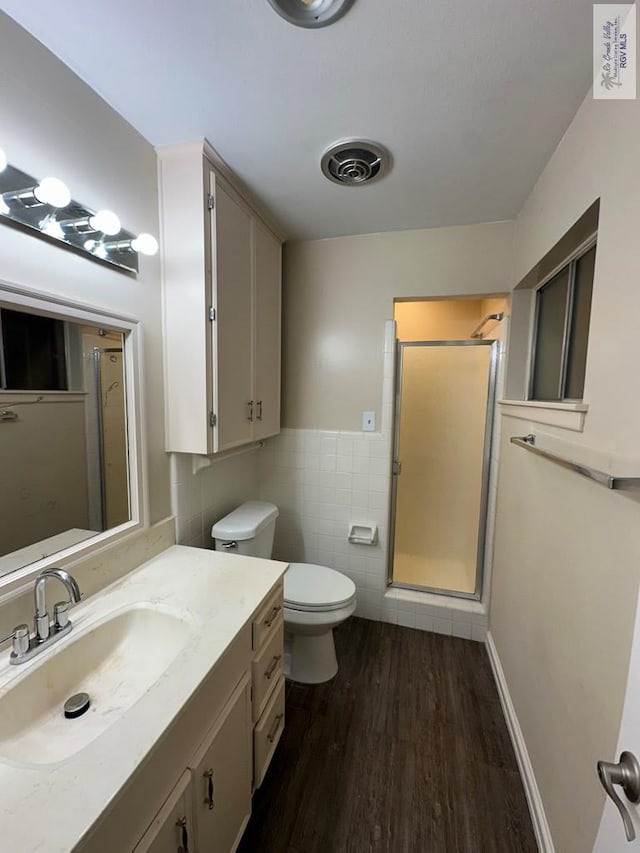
471,97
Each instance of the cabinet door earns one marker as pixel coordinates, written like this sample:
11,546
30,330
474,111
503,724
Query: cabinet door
232,328
268,312
172,828
221,777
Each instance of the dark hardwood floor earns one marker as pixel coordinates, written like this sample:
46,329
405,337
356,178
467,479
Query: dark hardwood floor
405,751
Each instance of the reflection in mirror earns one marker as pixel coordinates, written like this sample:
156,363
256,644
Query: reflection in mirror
63,435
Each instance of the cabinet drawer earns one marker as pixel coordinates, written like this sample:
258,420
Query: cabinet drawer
268,619
267,733
267,670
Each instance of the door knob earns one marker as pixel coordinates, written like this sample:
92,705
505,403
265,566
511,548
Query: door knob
626,774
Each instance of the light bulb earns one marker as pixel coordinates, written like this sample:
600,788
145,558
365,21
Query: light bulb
145,244
105,221
53,229
52,191
96,248
3,160
4,207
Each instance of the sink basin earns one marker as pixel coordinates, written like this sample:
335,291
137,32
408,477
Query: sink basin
115,662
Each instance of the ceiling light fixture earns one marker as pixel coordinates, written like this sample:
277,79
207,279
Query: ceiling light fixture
311,13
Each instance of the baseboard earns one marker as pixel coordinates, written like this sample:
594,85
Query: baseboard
534,800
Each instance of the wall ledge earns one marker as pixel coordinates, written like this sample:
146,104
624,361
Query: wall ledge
569,416
534,800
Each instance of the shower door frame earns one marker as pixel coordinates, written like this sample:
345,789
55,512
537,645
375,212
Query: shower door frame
396,464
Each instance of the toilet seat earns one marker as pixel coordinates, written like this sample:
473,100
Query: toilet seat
308,587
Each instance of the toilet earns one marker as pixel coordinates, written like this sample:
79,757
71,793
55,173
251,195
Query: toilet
316,598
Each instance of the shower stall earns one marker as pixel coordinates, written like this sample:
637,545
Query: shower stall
445,396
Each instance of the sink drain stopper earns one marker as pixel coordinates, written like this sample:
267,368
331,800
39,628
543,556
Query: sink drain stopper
76,705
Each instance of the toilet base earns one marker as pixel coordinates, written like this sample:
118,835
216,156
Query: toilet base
310,658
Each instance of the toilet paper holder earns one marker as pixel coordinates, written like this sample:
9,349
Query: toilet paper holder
363,534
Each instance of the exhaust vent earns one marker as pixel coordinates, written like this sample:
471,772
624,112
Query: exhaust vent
354,162
311,13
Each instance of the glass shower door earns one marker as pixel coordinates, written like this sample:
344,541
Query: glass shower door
444,402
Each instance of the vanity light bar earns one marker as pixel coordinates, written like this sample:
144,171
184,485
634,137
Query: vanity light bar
22,205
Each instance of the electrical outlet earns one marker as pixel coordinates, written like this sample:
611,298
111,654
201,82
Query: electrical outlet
368,421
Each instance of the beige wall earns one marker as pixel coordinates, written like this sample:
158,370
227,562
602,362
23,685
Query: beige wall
53,124
338,293
567,552
44,468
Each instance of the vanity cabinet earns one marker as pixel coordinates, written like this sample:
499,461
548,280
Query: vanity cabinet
222,306
218,748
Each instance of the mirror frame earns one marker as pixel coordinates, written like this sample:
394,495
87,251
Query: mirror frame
51,305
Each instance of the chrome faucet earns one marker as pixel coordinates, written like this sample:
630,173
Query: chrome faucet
61,618
45,633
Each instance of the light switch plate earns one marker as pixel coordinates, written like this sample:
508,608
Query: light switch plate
368,421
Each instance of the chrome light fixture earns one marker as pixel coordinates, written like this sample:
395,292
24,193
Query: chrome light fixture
46,208
311,13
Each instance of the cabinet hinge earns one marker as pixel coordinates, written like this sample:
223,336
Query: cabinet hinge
210,202
212,313
213,419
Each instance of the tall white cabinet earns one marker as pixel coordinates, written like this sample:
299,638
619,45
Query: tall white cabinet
222,306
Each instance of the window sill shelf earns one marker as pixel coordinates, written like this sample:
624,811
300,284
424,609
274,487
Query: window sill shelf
569,416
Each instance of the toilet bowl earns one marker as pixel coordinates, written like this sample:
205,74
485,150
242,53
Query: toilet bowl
316,598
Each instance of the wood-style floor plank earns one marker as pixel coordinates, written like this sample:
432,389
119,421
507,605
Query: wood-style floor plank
405,751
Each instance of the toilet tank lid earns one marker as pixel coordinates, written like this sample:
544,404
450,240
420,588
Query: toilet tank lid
246,521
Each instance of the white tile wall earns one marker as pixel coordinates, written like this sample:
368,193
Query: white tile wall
205,489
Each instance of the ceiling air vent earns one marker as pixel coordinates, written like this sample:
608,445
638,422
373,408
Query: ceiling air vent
311,13
354,161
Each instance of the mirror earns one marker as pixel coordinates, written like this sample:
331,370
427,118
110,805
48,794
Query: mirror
64,452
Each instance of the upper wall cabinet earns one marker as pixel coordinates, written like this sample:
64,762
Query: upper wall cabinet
222,307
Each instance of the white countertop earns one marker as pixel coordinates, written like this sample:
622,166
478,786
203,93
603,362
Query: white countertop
49,808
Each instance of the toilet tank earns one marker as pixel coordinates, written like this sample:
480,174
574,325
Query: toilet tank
249,530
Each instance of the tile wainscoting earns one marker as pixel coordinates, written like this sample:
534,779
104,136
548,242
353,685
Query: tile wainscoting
322,482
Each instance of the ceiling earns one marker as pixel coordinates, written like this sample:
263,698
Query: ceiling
470,97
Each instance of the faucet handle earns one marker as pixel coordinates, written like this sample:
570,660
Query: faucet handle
61,614
20,637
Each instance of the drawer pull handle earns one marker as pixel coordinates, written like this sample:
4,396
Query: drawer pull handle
259,415
271,617
181,823
272,668
274,729
208,775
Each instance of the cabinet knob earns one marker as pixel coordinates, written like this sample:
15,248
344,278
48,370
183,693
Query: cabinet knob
271,617
272,667
208,775
181,823
274,729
